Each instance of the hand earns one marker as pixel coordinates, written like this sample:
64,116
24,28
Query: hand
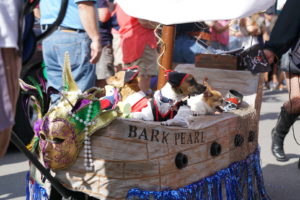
95,51
269,55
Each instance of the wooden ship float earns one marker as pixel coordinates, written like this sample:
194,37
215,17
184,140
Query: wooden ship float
132,154
215,157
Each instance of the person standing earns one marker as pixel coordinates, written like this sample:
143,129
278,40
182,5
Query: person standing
79,35
284,36
251,28
10,68
105,65
220,34
191,39
139,46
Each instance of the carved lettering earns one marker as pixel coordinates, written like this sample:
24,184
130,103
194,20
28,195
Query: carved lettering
196,140
182,138
202,137
143,134
177,137
132,131
154,135
190,140
164,138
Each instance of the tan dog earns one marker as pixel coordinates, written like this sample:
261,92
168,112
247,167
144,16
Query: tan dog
125,88
207,103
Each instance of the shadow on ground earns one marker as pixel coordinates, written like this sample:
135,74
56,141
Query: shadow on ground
12,189
279,178
269,116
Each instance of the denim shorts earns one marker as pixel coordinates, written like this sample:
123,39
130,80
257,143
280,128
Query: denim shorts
286,64
185,49
78,46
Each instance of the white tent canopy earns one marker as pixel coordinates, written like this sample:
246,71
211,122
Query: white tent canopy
184,11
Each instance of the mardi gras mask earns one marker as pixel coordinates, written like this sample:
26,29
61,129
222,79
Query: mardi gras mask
58,143
66,127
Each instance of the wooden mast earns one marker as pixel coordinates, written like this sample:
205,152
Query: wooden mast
168,37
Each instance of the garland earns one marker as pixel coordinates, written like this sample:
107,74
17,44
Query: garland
241,180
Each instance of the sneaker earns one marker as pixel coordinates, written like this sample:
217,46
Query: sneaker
273,86
266,86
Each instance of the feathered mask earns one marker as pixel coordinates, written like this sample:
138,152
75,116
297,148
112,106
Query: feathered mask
62,130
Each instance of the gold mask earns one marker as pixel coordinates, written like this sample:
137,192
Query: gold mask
62,130
58,143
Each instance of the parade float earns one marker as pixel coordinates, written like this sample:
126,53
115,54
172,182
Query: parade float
105,156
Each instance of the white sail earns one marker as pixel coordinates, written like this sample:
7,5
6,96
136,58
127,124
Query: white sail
183,11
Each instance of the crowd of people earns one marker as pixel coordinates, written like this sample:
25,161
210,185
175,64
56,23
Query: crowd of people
125,42
128,42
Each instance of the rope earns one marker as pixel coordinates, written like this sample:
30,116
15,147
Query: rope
160,43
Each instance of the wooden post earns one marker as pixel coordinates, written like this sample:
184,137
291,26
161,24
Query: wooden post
168,37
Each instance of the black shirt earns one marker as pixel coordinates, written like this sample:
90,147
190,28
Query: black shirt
286,31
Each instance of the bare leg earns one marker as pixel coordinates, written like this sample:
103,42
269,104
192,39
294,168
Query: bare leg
12,65
288,115
266,80
280,80
274,77
144,83
293,105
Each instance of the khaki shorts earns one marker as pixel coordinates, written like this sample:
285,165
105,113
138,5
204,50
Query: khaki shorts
148,65
105,65
118,56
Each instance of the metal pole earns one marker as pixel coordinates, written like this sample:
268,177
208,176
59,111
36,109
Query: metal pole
168,37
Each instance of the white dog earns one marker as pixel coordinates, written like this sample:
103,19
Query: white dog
207,103
167,100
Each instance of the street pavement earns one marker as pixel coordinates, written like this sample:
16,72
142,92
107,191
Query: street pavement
282,179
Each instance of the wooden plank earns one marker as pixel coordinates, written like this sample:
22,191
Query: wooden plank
193,173
101,168
215,61
75,181
114,188
259,93
195,155
107,188
118,150
157,150
141,169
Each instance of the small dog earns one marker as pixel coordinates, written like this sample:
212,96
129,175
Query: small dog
207,103
166,101
126,82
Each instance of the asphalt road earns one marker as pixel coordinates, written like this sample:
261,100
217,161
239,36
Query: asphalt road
282,180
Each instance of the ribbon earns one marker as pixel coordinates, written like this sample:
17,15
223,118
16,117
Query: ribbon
33,190
238,180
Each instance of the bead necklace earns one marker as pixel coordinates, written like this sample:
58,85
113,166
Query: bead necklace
88,161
